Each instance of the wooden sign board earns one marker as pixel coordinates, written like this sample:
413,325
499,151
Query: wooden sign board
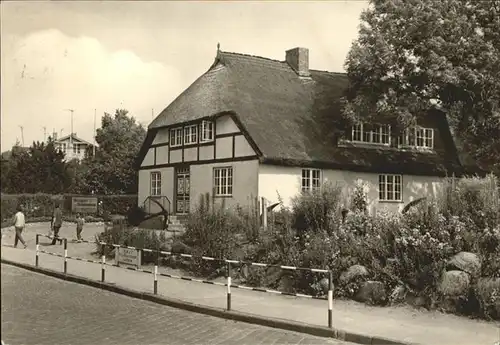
84,204
128,257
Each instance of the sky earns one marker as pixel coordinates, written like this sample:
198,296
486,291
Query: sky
93,56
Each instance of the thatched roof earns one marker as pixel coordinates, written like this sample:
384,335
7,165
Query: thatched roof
292,120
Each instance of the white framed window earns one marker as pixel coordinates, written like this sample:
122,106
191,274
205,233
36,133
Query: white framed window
76,148
190,134
176,137
207,131
223,181
417,137
371,133
390,187
311,180
155,183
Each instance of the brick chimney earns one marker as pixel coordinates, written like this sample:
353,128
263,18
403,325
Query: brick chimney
298,59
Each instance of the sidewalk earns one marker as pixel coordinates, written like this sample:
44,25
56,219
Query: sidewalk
400,323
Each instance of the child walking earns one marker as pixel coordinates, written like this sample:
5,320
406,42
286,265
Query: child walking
80,221
19,223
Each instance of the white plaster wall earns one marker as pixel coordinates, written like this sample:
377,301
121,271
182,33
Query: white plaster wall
206,152
190,154
176,156
241,147
245,176
161,136
162,155
224,148
149,158
286,182
225,124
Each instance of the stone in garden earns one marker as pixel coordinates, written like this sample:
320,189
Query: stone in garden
454,284
353,272
466,262
488,293
179,247
371,292
286,284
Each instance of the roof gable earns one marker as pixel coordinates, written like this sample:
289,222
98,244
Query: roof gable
74,138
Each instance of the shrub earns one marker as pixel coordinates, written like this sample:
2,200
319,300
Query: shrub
124,235
249,220
318,210
210,230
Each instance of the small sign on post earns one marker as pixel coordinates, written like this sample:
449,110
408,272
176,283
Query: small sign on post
84,204
128,256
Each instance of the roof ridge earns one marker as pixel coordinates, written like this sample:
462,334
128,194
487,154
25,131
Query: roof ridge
253,56
329,72
283,62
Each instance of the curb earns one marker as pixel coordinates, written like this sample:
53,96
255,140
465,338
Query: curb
288,325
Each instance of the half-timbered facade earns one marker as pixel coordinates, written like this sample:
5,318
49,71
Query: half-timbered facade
252,126
193,158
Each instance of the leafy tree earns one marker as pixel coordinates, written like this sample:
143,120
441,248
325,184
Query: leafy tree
112,171
414,55
38,169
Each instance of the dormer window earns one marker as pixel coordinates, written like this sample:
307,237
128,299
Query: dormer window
176,137
371,134
417,137
190,134
207,131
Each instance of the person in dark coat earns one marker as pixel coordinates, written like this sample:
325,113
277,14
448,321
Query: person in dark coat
56,224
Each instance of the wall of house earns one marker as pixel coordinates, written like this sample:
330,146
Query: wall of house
68,152
167,185
287,182
245,182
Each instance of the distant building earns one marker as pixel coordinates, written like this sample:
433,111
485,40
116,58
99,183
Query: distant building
72,146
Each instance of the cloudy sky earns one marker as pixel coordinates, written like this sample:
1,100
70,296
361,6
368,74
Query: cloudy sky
140,55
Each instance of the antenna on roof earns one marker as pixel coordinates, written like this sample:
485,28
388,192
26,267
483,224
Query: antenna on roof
218,47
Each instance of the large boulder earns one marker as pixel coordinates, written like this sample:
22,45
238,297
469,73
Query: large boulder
466,262
372,292
488,294
352,273
454,284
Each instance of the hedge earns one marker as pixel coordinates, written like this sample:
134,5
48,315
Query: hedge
42,205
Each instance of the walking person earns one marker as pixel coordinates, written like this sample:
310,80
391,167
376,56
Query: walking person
56,224
80,221
19,223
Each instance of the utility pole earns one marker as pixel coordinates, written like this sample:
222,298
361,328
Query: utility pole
22,134
93,143
44,134
71,134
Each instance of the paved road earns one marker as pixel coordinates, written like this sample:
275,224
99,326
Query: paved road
37,309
